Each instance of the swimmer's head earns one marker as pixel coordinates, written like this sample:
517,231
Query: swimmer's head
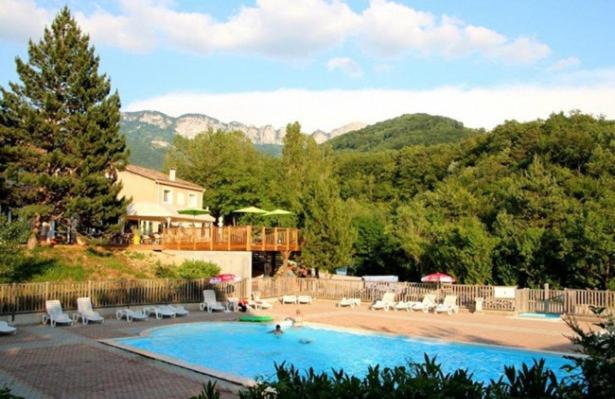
278,327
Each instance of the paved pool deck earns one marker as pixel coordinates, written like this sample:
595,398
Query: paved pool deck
70,362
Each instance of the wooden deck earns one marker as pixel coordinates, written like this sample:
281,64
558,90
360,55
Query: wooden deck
232,238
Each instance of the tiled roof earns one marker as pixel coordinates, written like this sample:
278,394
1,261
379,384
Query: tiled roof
162,178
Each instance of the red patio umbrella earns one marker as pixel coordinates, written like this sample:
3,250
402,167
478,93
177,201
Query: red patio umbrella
437,278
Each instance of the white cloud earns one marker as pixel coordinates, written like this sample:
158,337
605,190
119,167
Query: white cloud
565,63
21,19
347,65
329,109
391,29
282,29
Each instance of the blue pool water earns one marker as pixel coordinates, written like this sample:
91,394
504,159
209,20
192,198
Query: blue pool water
248,351
544,316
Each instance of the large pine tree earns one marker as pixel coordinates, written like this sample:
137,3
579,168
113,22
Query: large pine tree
59,130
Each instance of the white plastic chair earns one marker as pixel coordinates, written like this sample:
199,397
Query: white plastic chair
428,303
6,329
86,313
449,305
387,301
55,315
210,303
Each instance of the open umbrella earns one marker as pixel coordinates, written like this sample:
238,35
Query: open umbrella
277,212
250,209
437,278
194,212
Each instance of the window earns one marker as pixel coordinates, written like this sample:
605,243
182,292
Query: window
192,200
166,197
180,198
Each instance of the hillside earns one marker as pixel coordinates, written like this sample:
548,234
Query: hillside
405,130
149,134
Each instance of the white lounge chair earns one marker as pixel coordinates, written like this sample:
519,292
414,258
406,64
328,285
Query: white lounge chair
130,314
6,329
387,302
350,302
160,312
289,299
86,313
210,303
428,303
258,303
178,309
55,315
407,305
304,299
449,305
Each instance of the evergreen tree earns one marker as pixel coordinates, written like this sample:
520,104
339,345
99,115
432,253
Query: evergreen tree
59,130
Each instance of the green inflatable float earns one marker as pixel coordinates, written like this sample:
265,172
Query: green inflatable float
256,319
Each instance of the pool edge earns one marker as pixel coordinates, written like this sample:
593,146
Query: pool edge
220,375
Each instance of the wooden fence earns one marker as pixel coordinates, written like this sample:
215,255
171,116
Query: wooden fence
566,301
31,297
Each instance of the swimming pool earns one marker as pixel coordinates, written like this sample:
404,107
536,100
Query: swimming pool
240,351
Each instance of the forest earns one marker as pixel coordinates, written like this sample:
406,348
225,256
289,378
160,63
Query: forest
525,204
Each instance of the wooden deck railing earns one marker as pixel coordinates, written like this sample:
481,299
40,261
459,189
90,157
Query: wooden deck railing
567,301
232,238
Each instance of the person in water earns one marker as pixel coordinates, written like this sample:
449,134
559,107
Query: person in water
297,320
277,330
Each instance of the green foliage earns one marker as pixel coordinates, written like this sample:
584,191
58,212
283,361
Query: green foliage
60,131
405,130
193,269
12,237
312,192
5,393
416,380
527,204
209,392
227,164
596,367
189,269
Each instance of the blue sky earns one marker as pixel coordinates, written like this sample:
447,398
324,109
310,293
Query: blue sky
326,63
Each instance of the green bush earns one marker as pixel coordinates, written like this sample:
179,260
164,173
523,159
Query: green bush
189,270
192,269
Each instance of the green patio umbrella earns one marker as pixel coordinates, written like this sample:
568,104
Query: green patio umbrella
194,212
277,212
250,209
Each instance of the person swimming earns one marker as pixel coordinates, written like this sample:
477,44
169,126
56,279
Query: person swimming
277,330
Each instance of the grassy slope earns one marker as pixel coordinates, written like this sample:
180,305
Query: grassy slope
72,263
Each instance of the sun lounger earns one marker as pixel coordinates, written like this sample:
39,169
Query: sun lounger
258,303
86,313
449,305
407,305
304,299
289,299
350,302
428,303
130,314
55,315
6,329
178,309
210,302
160,311
387,302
